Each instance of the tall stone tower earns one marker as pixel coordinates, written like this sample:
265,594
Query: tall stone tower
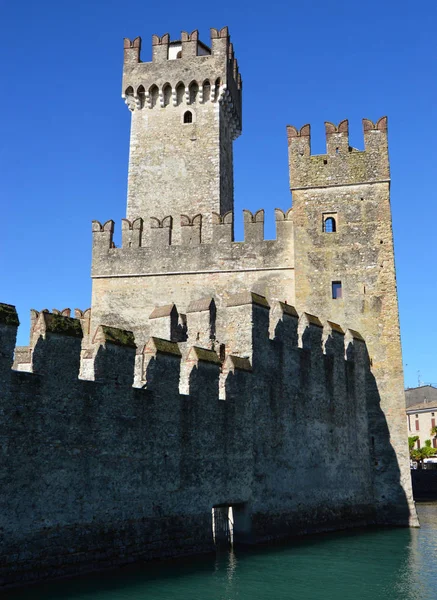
186,112
345,271
177,244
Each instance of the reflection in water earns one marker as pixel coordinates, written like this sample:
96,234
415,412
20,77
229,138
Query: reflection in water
420,573
396,564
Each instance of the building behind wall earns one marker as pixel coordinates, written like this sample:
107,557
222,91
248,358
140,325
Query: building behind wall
233,374
421,413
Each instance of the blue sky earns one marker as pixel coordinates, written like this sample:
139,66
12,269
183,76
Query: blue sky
65,130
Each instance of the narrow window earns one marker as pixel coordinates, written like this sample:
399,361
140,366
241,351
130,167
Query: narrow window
206,91
418,444
141,93
180,92
434,442
194,90
337,291
188,117
433,422
167,94
329,225
154,94
217,89
417,425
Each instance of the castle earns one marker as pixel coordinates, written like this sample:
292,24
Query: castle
206,368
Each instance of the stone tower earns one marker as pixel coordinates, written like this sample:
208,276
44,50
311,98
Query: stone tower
345,271
186,112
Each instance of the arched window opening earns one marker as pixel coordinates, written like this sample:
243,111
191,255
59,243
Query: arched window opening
129,98
179,54
141,93
194,90
167,94
154,93
188,117
217,89
206,91
329,225
180,91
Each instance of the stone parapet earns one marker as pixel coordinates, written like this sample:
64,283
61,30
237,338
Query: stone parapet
121,471
342,164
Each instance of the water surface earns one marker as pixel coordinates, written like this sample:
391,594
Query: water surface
394,564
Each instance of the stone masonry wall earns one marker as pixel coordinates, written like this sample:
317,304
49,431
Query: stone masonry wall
177,167
129,282
353,188
97,473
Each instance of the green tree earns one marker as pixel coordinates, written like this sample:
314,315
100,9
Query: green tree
419,454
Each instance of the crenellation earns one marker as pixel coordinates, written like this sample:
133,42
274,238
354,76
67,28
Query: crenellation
337,137
231,432
246,322
253,226
114,355
165,323
161,365
203,370
310,332
284,323
160,47
191,230
342,164
8,334
56,345
201,322
132,49
131,233
222,227
103,235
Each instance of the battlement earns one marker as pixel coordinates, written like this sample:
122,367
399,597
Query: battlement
150,247
158,232
184,72
342,164
139,462
56,342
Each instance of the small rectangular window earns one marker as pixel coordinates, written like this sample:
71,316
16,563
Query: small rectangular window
432,422
337,291
417,425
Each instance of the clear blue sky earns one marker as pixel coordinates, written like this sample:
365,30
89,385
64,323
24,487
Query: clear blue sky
65,129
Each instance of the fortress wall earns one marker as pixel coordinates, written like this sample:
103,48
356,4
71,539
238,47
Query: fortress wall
129,282
99,473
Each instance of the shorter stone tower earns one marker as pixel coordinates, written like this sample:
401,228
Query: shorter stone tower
186,112
345,271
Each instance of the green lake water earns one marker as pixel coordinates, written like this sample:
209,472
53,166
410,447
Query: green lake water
393,564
